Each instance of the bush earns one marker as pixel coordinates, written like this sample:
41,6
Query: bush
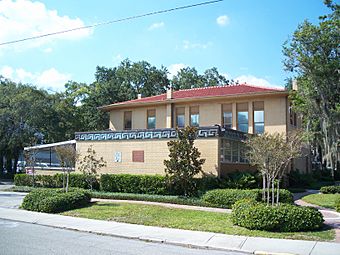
128,183
337,205
227,197
297,179
283,218
23,180
53,181
150,198
330,189
243,180
55,200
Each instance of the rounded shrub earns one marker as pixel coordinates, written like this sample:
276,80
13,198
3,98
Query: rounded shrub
55,200
330,189
227,197
282,218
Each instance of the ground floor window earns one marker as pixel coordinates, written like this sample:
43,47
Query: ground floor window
233,151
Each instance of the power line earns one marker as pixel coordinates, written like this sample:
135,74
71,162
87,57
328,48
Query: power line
112,21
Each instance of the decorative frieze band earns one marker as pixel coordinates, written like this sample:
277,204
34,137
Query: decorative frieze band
168,133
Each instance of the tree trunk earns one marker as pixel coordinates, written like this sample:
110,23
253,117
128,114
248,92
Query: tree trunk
263,187
67,180
278,191
64,179
273,191
268,189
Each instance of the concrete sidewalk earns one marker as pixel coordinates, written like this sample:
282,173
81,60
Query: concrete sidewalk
187,238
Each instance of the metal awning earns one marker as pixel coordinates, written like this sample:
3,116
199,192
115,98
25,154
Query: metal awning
49,145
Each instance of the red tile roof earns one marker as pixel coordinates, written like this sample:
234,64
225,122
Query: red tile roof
207,92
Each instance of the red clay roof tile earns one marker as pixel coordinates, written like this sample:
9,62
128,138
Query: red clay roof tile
207,92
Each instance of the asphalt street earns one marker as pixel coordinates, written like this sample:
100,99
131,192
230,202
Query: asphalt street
24,238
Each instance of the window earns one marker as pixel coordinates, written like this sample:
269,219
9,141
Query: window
194,116
258,117
127,120
151,119
227,116
292,116
242,117
180,117
233,151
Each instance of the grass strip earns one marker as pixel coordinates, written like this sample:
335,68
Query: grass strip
152,215
323,200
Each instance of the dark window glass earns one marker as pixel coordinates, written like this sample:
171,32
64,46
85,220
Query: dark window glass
194,116
180,117
242,121
127,120
151,119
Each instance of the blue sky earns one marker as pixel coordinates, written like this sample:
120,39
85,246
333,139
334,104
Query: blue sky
242,38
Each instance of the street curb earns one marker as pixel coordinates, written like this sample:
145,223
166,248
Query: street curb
150,240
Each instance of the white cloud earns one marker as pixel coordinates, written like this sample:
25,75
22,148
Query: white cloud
187,45
156,26
50,79
47,50
223,20
253,80
174,69
23,18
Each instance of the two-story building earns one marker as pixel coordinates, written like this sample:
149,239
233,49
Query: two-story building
139,129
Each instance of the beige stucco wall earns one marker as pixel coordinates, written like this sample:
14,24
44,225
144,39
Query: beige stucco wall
139,117
275,108
155,151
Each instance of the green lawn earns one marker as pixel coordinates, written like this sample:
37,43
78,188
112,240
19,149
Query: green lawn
324,200
184,219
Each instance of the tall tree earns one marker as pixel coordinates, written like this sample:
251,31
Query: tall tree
188,78
313,56
184,162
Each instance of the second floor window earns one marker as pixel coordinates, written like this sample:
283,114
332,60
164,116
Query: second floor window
227,116
194,116
180,117
151,119
242,117
128,120
258,117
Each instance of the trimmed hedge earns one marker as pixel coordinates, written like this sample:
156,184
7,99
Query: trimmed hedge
150,198
227,197
53,181
55,200
128,183
330,189
283,218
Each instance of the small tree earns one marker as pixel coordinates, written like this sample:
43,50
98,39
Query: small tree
67,156
184,162
30,159
272,153
89,165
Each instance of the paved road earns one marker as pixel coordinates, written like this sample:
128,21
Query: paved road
24,238
11,199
